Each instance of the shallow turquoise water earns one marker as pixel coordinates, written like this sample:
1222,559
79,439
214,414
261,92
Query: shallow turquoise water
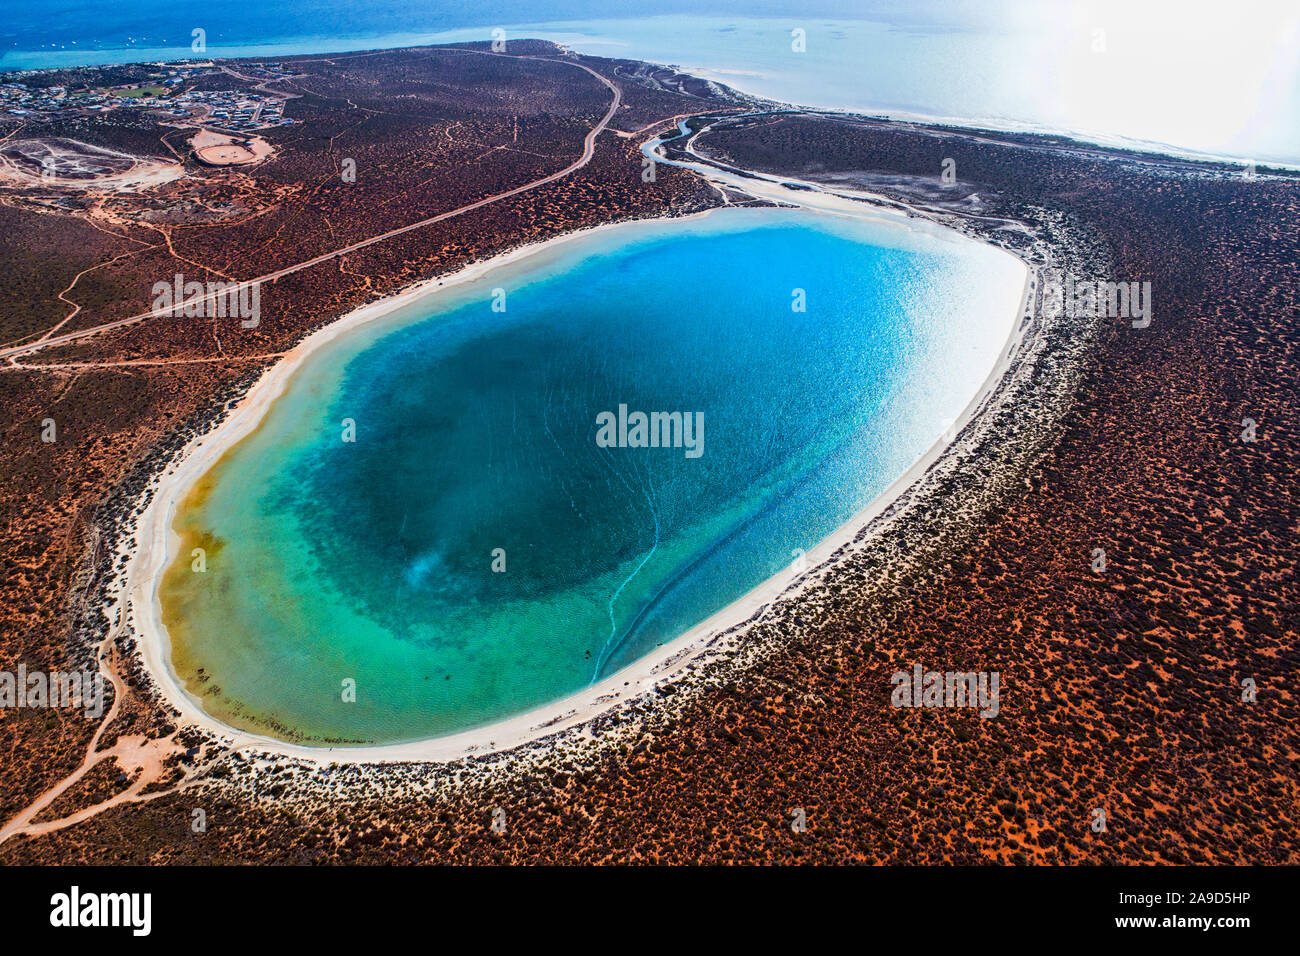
475,430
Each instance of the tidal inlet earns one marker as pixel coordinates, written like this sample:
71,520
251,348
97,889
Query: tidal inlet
513,488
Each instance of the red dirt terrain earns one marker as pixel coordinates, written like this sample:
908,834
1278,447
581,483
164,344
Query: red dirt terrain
1122,690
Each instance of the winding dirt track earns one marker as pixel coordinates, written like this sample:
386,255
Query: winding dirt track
588,150
133,754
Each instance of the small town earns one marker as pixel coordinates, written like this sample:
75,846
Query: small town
168,93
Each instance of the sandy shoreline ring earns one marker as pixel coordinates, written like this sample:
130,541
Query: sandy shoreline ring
154,542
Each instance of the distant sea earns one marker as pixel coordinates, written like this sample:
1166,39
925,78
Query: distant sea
1174,75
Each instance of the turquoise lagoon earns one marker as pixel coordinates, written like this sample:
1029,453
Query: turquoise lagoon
378,560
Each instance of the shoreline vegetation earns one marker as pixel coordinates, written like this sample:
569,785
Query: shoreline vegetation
156,543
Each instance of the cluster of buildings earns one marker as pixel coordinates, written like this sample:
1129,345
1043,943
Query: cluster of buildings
17,100
236,110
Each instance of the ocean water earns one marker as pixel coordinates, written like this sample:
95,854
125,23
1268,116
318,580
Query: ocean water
1178,75
476,432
